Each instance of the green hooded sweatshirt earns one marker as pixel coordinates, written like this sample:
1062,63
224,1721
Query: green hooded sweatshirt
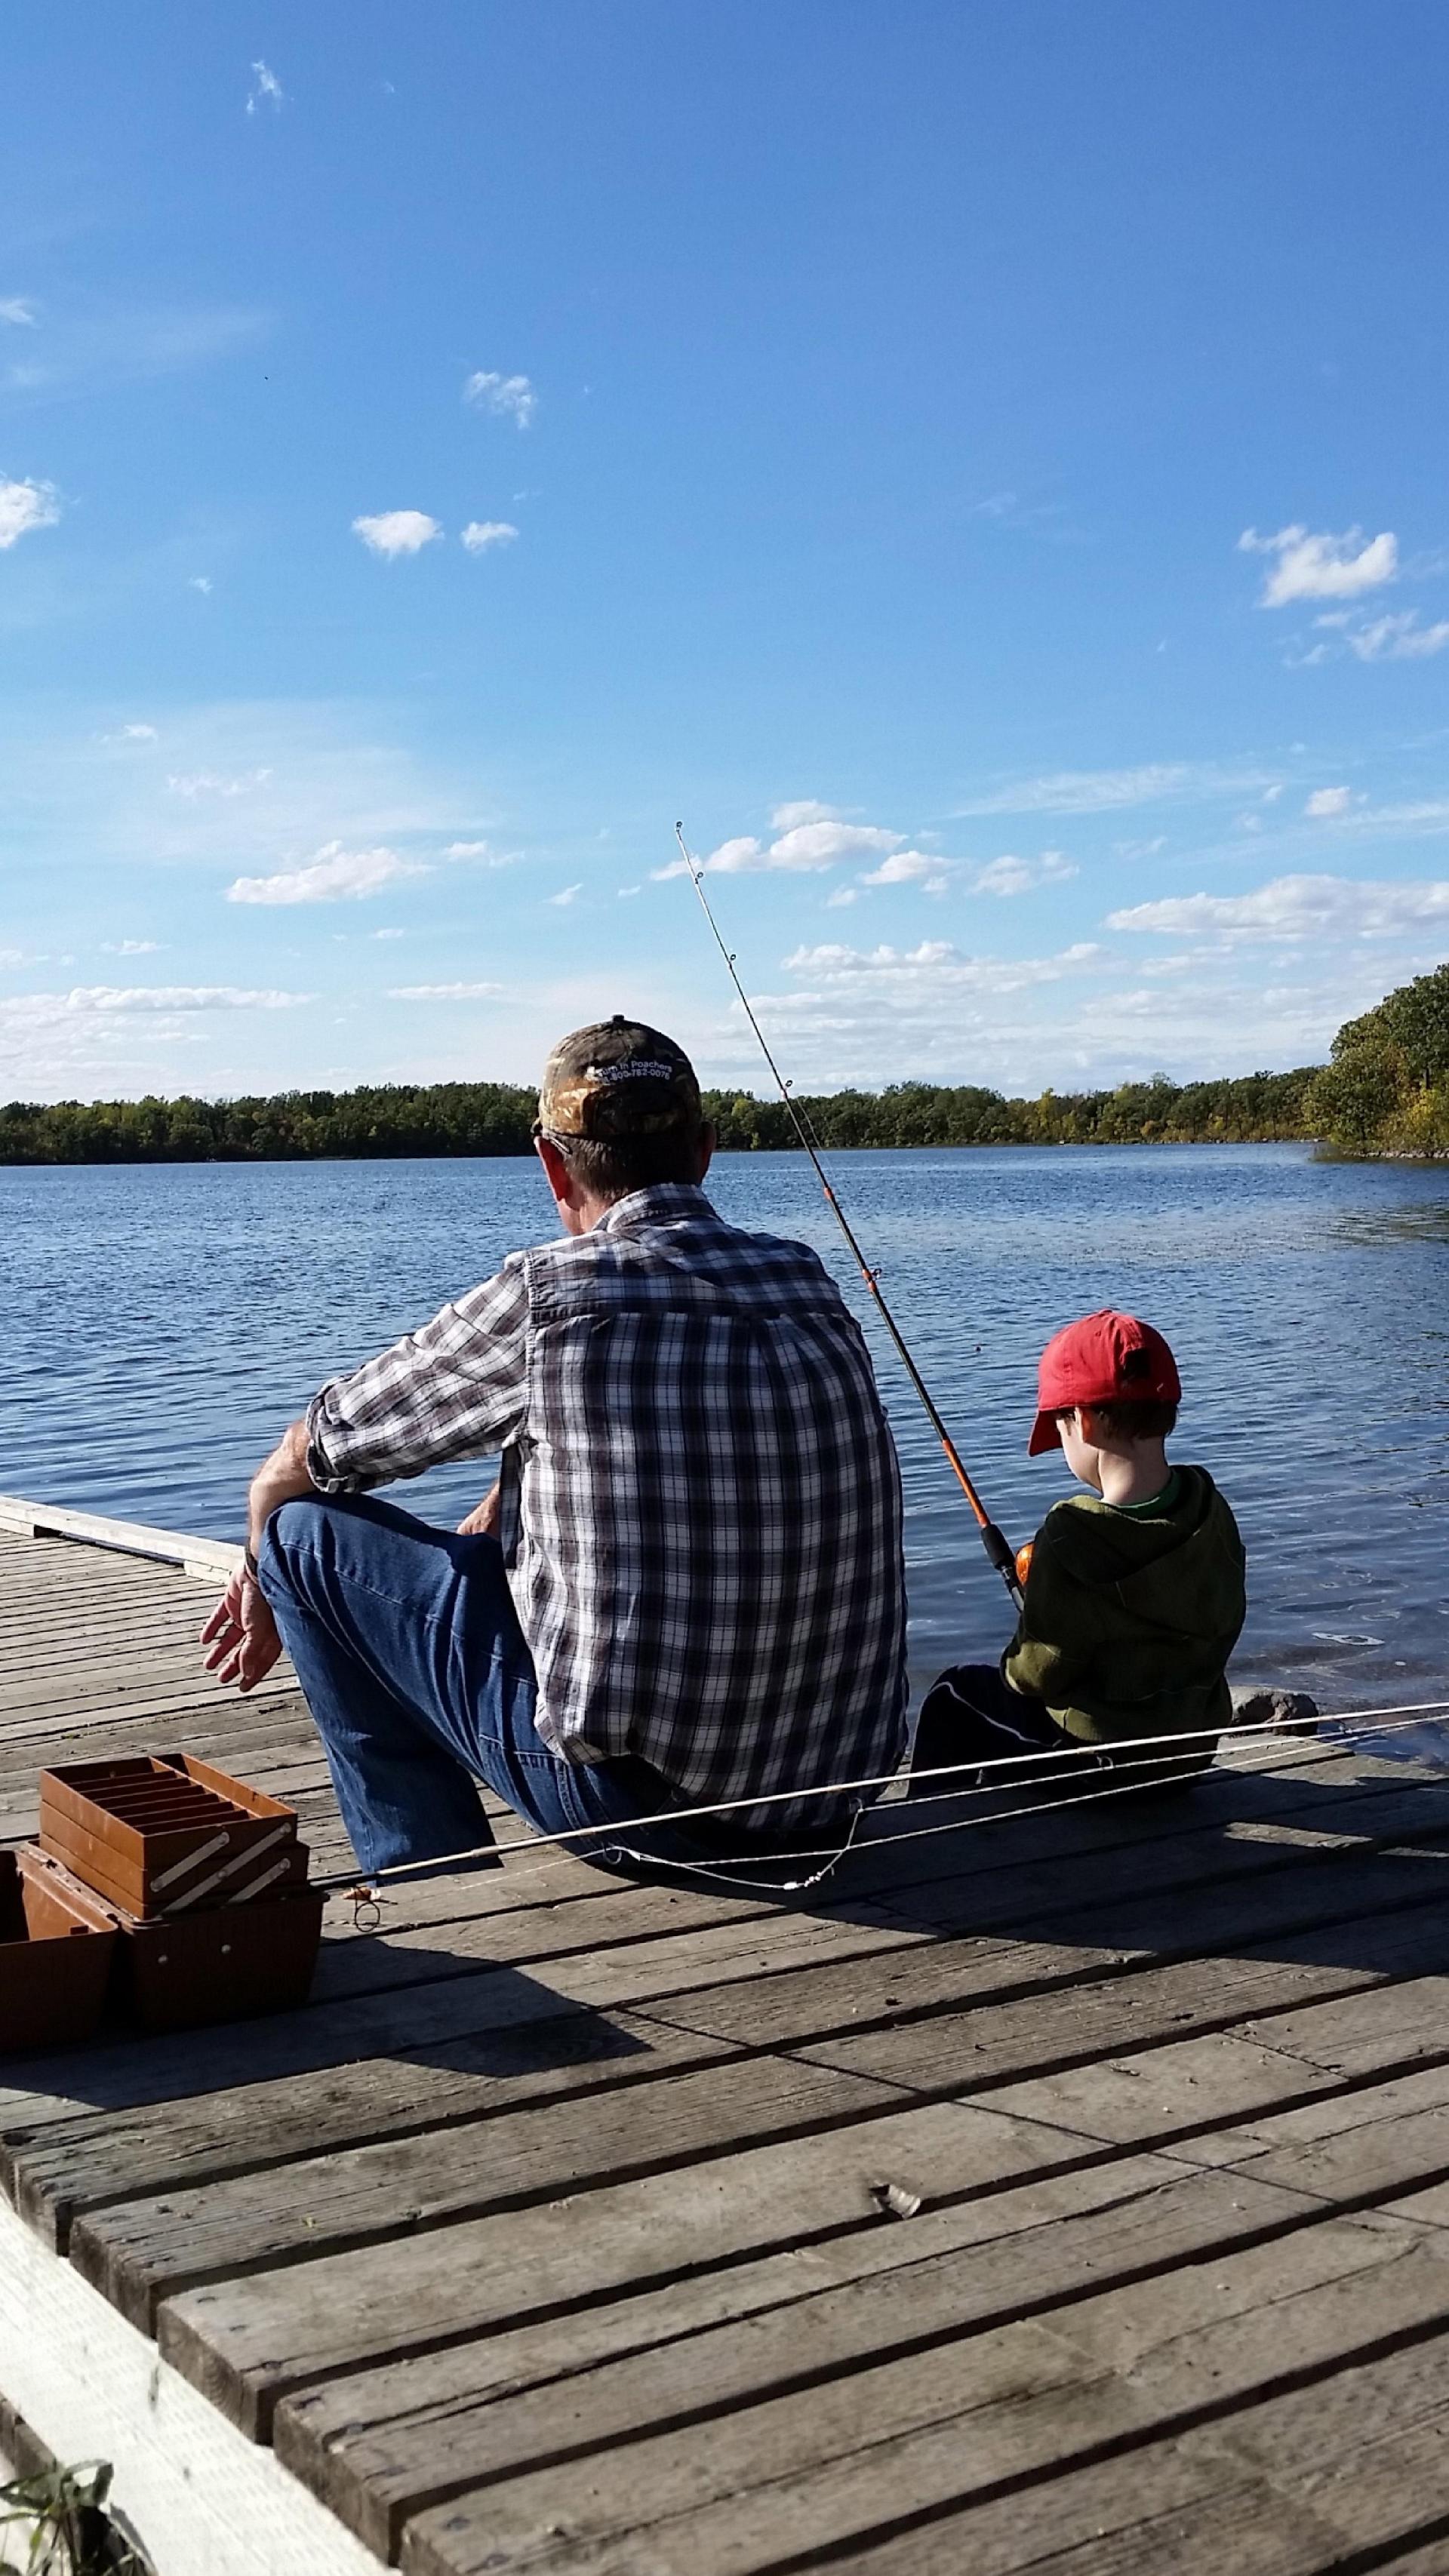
1130,1615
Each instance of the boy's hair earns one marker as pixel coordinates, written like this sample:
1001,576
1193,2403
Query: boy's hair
1131,1418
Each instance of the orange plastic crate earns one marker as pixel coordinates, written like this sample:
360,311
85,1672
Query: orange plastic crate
161,1834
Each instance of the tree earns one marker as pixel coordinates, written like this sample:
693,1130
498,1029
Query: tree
1386,1089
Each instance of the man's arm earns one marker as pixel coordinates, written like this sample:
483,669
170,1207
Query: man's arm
241,1633
452,1390
279,1479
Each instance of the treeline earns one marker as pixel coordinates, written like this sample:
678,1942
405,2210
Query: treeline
1258,1108
488,1118
291,1127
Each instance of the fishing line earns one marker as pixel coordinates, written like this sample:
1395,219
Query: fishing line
831,1855
997,1545
924,1833
1292,1733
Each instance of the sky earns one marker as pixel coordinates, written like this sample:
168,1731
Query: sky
982,467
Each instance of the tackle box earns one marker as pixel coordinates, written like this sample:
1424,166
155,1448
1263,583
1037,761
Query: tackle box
164,1833
57,1949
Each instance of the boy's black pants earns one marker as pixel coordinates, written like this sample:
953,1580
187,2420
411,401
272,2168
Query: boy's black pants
970,1715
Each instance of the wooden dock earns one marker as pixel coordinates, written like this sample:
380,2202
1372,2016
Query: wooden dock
557,2232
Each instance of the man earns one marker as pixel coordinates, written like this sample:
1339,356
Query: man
687,1587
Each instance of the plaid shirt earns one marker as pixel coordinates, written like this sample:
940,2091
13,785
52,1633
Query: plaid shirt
702,1513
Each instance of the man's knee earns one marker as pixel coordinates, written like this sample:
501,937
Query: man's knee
290,1542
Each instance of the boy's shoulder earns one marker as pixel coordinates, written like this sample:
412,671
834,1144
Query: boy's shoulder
1083,1526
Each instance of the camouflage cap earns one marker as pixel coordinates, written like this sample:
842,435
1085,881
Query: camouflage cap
618,1079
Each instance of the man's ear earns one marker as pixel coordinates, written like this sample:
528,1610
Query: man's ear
556,1170
708,1139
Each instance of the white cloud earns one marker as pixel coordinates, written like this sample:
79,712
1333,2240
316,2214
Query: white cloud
1103,791
444,992
803,809
1397,639
396,532
1296,907
200,581
19,311
335,875
1322,567
800,849
625,891
1009,875
825,844
12,956
937,964
883,1013
265,85
1431,814
1272,794
131,947
508,397
25,507
211,782
1325,802
483,852
1140,849
130,733
570,894
480,534
910,867
831,959
173,997
728,860
387,934
842,896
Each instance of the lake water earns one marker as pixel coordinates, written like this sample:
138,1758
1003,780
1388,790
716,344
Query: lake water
163,1324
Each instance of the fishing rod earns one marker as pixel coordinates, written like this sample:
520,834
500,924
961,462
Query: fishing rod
993,1539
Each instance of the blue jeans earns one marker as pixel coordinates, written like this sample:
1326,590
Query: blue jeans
419,1680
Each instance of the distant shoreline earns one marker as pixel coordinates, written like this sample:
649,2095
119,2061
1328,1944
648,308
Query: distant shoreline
451,1121
730,1153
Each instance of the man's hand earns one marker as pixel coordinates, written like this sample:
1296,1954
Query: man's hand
482,1521
241,1634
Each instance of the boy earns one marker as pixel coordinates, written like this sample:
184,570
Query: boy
1134,1593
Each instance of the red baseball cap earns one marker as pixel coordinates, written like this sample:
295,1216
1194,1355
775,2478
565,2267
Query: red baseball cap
1105,1358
